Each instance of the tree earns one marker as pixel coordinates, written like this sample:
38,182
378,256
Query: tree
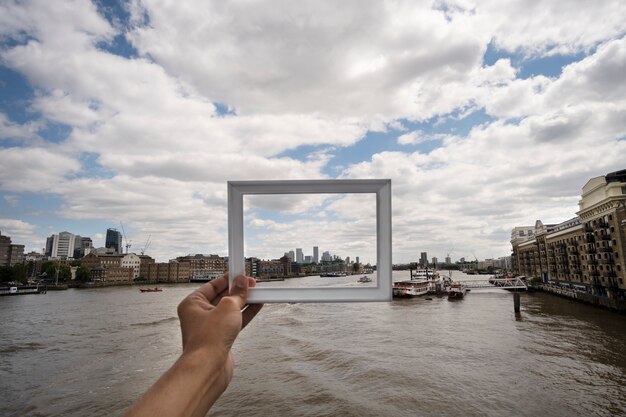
50,268
19,273
6,274
83,274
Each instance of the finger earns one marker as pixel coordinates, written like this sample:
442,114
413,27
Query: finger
239,290
224,293
215,301
248,314
212,289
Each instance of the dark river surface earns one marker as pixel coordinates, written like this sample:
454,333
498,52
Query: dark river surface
92,352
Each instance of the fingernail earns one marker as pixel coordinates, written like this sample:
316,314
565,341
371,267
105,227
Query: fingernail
241,282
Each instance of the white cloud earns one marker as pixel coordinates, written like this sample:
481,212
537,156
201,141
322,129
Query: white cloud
322,76
20,232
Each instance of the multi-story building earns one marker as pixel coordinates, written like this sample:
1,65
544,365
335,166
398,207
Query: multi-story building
274,268
147,270
10,254
587,251
173,271
131,260
316,254
299,256
113,240
204,265
108,268
82,246
5,248
61,245
424,259
66,245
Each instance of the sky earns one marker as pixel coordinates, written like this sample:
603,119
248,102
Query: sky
485,115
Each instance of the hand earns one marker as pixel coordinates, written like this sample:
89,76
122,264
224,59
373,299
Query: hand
210,320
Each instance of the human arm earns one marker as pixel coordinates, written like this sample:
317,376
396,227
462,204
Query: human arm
210,321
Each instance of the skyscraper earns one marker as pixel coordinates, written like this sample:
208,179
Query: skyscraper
424,259
316,254
358,261
61,245
299,256
114,240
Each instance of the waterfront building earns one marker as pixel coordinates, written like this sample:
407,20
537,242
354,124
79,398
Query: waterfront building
586,252
114,240
358,261
10,254
5,246
326,257
116,275
131,260
107,268
307,259
251,266
435,262
173,271
204,265
273,268
147,269
299,256
449,260
424,259
316,254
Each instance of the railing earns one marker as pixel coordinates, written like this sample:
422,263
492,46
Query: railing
504,283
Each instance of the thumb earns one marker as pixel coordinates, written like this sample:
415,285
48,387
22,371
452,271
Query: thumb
239,291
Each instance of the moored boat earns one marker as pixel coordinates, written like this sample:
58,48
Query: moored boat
409,289
155,289
456,291
365,278
333,274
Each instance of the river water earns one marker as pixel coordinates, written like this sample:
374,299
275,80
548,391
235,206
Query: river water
92,352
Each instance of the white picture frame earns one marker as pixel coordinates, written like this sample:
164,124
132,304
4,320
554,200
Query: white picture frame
236,261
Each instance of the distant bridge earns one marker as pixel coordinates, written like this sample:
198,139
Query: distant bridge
504,283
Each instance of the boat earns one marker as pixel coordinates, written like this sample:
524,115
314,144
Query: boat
456,291
365,278
205,276
334,274
23,289
409,289
436,284
155,289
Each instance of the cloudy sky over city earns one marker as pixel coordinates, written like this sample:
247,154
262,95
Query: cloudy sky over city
485,115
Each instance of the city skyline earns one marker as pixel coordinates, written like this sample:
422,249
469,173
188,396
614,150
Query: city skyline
481,115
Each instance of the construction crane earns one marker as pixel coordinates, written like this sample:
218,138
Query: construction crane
145,247
128,243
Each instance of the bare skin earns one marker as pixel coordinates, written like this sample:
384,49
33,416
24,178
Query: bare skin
210,320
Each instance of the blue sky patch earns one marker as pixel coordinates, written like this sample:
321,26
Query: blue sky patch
548,66
15,96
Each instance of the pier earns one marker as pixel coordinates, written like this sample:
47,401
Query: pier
504,283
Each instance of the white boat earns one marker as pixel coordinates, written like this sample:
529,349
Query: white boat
456,291
365,278
409,289
431,277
